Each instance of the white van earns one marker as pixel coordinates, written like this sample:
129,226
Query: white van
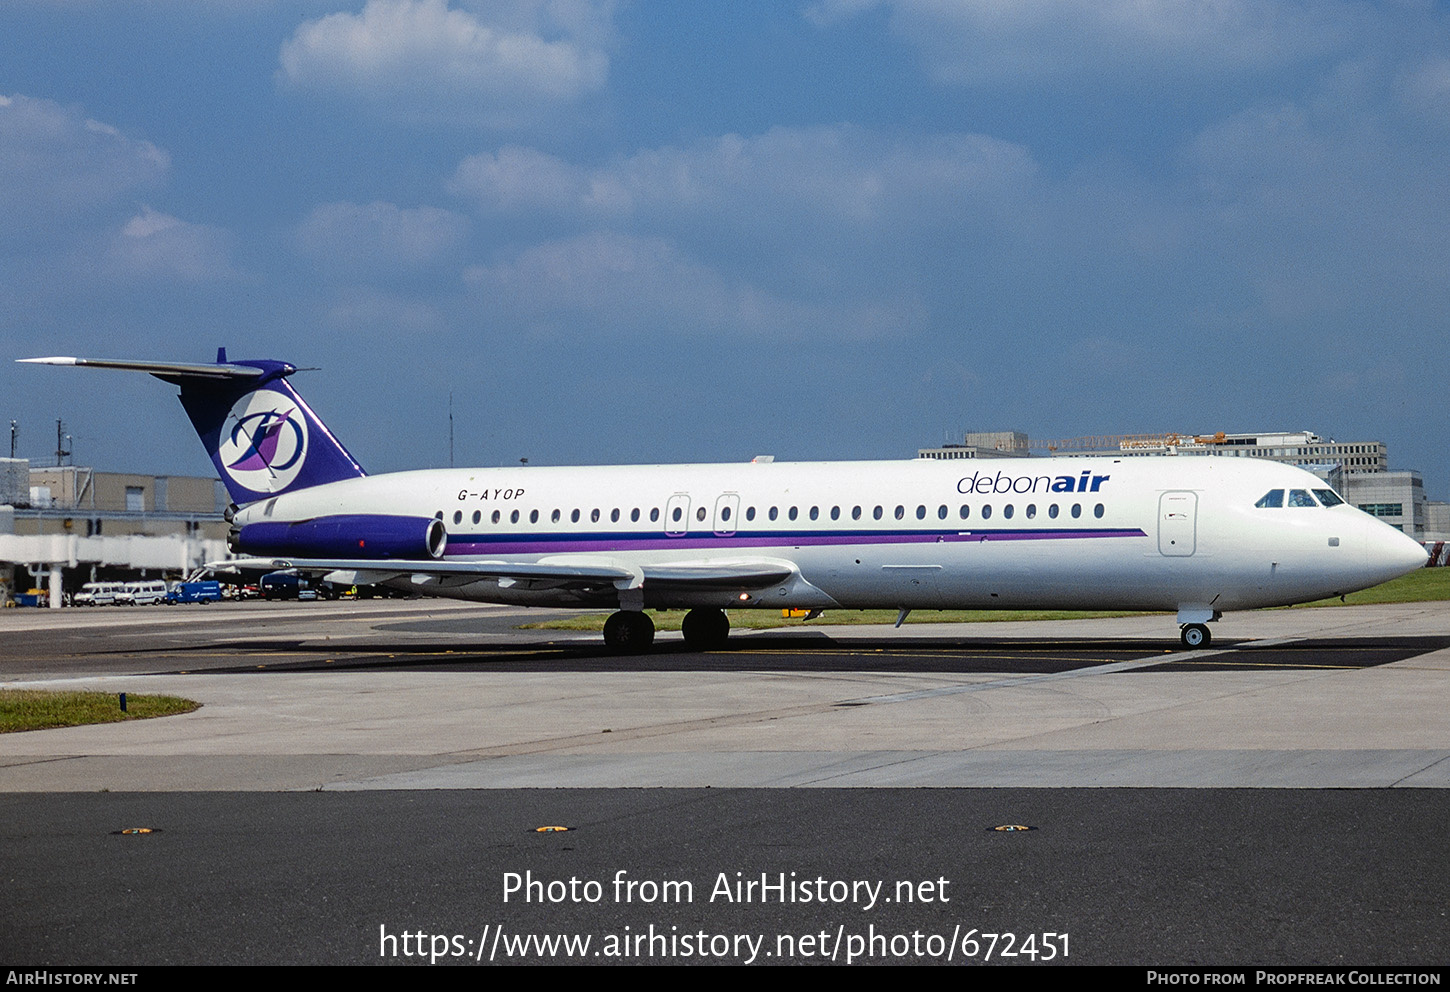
145,593
98,593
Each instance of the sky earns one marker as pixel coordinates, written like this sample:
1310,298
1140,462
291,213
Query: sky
686,230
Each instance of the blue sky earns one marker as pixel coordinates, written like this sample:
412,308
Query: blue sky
698,231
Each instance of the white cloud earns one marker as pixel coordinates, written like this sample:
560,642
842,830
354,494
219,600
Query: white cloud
422,57
521,179
842,173
67,207
798,231
1326,203
54,162
1425,90
974,41
153,245
380,236
611,283
359,308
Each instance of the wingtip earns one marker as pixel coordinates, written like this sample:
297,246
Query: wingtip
53,360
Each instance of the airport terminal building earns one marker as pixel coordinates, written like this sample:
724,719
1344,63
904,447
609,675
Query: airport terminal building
1359,470
61,527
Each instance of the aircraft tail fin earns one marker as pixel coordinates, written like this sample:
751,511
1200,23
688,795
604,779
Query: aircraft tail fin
261,435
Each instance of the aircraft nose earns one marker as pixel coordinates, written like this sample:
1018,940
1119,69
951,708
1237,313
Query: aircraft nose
1395,552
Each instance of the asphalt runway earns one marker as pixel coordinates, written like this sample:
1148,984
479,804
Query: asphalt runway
361,772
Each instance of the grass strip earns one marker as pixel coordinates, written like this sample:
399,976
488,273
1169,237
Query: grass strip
39,709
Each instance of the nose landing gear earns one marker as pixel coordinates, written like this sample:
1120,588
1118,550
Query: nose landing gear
1195,635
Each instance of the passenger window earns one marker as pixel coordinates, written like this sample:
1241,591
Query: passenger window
654,514
773,513
497,516
921,513
941,512
1098,510
1301,497
724,513
574,516
700,514
594,515
514,517
855,513
1076,510
792,513
900,512
1031,511
677,514
750,513
634,515
815,512
614,515
966,511
1052,511
533,516
1328,497
1272,498
835,513
876,513
477,517
458,516
986,511
1007,511
554,517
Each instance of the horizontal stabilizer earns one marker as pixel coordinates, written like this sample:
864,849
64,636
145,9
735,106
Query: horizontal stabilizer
163,369
260,434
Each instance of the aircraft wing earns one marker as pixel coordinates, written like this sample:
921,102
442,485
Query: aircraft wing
560,571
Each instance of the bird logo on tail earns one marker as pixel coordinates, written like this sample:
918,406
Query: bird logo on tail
266,446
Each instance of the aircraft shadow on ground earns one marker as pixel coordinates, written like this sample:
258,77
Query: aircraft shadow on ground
795,653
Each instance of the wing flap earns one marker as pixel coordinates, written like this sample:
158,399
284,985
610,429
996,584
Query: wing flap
736,573
725,574
401,568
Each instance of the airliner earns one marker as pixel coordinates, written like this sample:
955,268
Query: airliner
1195,536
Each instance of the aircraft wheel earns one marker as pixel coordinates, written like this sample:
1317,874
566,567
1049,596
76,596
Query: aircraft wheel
629,630
705,628
1196,635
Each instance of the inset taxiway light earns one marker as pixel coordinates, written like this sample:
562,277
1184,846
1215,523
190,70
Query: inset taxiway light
550,830
137,830
745,597
1010,828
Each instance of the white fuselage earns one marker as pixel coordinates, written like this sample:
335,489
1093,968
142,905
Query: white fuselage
1153,533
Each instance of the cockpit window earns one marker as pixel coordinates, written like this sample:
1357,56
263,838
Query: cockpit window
1274,497
1301,497
1328,497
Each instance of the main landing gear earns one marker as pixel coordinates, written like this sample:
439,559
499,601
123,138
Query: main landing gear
1195,635
631,630
705,628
